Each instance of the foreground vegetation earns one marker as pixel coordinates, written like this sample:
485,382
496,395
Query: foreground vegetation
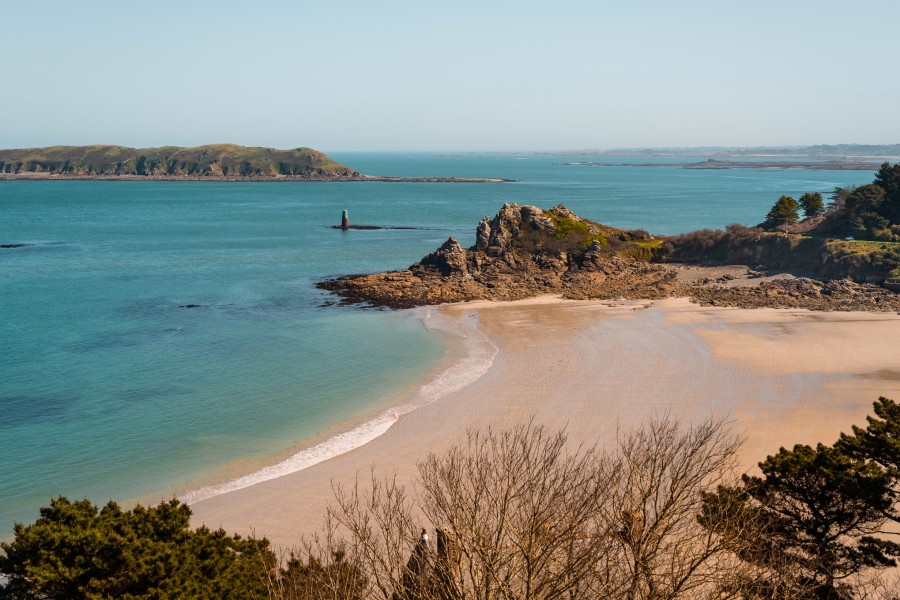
521,514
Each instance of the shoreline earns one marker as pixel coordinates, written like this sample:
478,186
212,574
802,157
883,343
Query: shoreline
467,356
713,164
31,176
598,367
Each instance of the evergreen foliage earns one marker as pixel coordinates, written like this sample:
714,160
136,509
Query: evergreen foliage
888,179
870,212
821,508
812,204
880,443
77,550
785,211
863,214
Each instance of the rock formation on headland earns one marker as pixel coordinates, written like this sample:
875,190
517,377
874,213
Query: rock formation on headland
525,251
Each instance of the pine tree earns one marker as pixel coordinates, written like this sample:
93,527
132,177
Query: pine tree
879,441
784,212
78,550
888,179
821,509
812,204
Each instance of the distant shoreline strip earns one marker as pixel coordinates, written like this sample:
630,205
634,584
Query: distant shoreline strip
712,164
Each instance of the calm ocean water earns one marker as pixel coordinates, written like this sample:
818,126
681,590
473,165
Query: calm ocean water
110,388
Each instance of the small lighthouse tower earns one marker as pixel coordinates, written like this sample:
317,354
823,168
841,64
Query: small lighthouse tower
345,220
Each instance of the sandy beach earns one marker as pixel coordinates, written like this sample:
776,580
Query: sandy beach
781,376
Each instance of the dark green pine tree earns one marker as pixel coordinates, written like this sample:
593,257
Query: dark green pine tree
812,204
864,212
879,442
888,179
784,212
820,509
75,550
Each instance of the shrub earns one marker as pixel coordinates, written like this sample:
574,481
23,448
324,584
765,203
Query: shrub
77,550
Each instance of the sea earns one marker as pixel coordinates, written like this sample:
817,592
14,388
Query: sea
166,339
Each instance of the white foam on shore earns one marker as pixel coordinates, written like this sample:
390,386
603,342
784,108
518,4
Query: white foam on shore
477,357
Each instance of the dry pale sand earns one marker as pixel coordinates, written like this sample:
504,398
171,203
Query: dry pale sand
782,376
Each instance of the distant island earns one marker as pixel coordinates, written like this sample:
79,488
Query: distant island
711,163
213,162
835,151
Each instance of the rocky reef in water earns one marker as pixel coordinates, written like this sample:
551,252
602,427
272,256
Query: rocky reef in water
525,251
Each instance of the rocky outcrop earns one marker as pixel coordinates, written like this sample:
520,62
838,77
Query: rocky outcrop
525,251
450,258
801,292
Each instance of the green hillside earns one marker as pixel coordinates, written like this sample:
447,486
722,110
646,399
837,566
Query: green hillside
856,235
214,160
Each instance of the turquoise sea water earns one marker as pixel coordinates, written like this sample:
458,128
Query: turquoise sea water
109,388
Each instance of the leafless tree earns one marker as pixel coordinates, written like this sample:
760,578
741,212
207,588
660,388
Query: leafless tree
521,515
319,569
519,512
662,549
382,532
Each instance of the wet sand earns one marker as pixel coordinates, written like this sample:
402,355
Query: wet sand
781,376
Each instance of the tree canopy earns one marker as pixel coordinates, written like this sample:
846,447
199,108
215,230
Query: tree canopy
784,212
888,179
879,442
822,509
77,550
812,204
869,211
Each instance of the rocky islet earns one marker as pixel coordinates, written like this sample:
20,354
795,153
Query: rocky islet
525,251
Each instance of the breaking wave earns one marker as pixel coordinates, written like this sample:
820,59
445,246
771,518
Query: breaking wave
476,358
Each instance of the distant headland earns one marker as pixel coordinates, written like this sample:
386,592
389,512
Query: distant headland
711,163
826,157
821,151
213,162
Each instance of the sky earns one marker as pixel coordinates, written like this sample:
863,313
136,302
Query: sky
458,76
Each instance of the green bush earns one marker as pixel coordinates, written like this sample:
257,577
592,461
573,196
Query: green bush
77,550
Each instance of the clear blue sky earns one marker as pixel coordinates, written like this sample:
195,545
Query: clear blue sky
461,75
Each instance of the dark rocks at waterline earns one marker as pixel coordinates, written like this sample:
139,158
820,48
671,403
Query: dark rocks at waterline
15,245
372,227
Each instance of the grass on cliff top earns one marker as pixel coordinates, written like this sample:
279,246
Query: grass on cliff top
863,247
581,233
868,243
564,226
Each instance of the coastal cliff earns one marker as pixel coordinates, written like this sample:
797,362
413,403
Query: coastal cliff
525,251
210,161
